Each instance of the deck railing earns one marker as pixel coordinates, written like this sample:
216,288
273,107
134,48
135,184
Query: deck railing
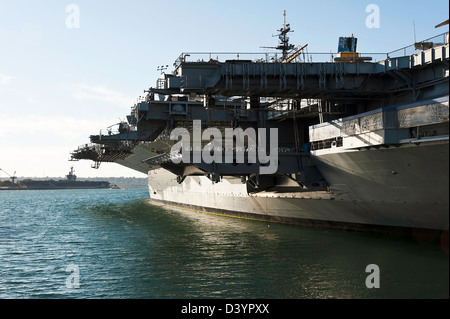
305,56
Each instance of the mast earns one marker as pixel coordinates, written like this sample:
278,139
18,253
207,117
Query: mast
284,45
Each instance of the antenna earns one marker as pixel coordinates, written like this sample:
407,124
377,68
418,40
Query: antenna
414,27
162,68
284,45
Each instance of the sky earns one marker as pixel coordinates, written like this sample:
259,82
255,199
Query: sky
71,68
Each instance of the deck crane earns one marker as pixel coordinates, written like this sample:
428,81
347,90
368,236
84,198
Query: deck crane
13,177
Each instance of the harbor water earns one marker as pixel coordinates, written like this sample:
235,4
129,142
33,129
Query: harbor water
115,244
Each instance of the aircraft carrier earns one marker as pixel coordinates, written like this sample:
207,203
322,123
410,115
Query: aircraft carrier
69,183
357,141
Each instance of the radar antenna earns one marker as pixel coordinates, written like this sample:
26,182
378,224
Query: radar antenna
283,45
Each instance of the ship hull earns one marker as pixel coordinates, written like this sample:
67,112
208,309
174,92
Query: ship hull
43,185
355,149
385,188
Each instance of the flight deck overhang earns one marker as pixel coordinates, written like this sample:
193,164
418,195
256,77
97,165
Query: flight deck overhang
302,79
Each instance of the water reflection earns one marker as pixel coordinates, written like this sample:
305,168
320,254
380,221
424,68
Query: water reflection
127,248
239,258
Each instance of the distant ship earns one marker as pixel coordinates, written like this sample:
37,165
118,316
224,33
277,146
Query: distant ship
69,183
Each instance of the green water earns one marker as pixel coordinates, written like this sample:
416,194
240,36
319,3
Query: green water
114,244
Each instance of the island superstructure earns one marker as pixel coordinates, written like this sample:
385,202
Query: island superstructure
362,141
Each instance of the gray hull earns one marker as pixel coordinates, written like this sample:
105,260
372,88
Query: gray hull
360,145
30,185
384,188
